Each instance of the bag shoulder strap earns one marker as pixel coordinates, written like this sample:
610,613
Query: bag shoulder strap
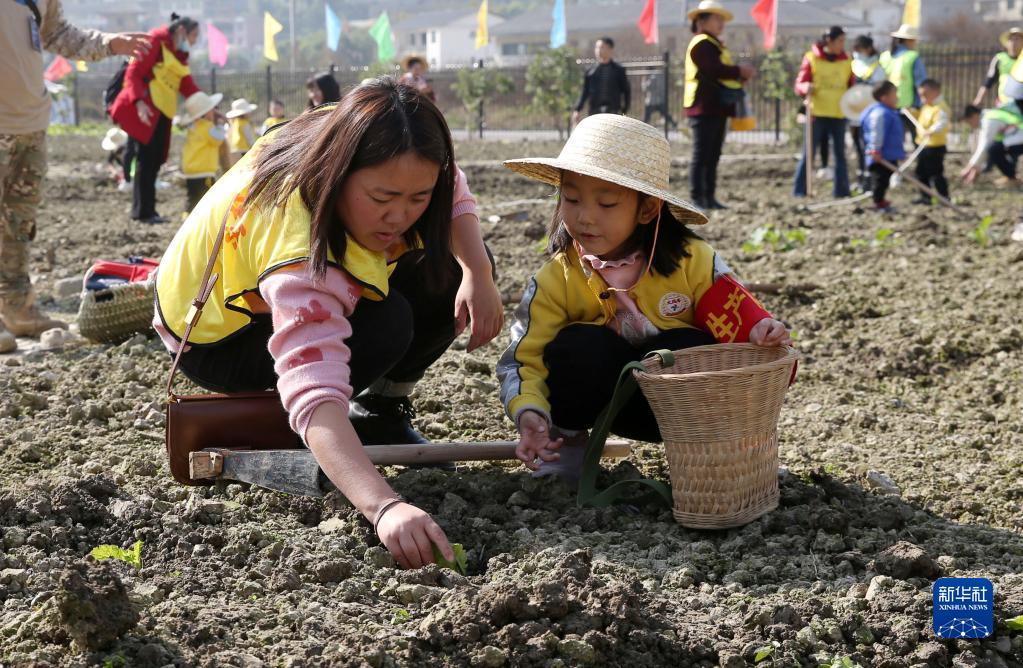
34,8
589,495
209,279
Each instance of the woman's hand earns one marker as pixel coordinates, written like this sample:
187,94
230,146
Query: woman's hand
409,534
478,302
145,115
130,44
769,333
746,72
969,175
535,441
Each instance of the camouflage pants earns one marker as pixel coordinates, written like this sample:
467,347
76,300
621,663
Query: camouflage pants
22,167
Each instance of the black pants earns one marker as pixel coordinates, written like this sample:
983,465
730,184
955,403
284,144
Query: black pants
880,177
584,362
930,169
708,138
195,189
1004,158
148,160
398,338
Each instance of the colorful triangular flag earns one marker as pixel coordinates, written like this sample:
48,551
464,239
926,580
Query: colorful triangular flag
271,27
482,34
911,13
216,41
58,69
333,27
647,22
381,34
81,66
765,13
559,33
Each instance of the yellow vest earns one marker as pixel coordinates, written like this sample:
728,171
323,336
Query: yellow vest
238,141
830,81
1012,88
257,242
1005,64
865,70
201,153
692,83
900,72
167,76
273,120
928,117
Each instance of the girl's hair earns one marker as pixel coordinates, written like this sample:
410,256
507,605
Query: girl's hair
832,33
328,86
315,152
672,238
178,21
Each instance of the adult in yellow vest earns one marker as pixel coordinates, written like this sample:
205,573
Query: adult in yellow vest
998,72
147,103
906,70
338,282
824,76
713,85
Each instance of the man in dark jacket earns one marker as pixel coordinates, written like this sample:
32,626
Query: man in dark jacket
606,86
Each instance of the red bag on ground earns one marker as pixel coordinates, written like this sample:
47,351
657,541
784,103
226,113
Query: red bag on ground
106,273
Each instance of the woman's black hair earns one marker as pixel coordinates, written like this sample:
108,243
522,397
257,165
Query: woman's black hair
864,42
672,238
178,21
699,17
316,151
328,86
832,33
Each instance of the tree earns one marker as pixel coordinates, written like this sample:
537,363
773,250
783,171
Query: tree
553,79
475,84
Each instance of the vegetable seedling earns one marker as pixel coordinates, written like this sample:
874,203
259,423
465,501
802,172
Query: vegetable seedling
459,565
132,556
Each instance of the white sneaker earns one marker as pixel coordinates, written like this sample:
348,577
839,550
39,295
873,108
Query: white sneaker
825,174
896,180
162,185
124,186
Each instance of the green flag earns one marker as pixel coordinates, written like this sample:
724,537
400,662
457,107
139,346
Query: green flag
381,34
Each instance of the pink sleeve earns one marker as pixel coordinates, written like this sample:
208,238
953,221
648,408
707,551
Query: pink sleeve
308,342
463,201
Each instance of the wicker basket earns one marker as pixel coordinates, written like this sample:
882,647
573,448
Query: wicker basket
116,313
717,407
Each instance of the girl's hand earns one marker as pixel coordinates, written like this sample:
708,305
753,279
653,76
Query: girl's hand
145,115
969,175
409,534
769,333
478,302
535,441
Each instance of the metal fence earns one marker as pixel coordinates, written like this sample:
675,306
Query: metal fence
961,71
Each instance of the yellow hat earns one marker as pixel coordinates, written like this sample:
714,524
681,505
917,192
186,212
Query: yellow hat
620,150
1011,32
710,7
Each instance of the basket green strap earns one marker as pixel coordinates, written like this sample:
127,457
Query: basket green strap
589,495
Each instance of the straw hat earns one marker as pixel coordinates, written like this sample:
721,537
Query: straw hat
907,31
197,105
855,100
710,7
415,56
1011,32
114,139
240,107
617,149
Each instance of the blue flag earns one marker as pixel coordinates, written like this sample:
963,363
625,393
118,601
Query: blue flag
559,35
333,28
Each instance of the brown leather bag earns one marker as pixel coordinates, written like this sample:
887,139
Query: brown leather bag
250,421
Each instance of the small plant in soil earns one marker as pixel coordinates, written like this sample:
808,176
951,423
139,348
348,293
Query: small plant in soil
132,556
980,234
399,615
1014,624
769,237
763,654
459,565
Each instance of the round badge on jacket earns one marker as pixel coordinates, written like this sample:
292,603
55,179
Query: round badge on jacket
674,303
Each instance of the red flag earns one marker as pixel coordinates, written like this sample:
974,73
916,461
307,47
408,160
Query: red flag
58,69
765,13
648,22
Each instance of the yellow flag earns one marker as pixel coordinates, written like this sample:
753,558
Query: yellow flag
482,34
81,66
911,13
271,27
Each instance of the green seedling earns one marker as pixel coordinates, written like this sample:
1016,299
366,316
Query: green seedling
841,662
770,237
763,654
884,236
1015,624
980,234
459,565
132,556
399,615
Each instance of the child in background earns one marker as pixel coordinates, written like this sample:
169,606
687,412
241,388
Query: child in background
932,132
200,157
115,143
275,115
626,276
882,136
241,136
1000,140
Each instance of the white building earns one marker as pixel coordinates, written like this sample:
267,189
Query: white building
444,38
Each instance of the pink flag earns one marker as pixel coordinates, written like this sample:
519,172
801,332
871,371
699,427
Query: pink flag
765,13
217,44
58,69
648,22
